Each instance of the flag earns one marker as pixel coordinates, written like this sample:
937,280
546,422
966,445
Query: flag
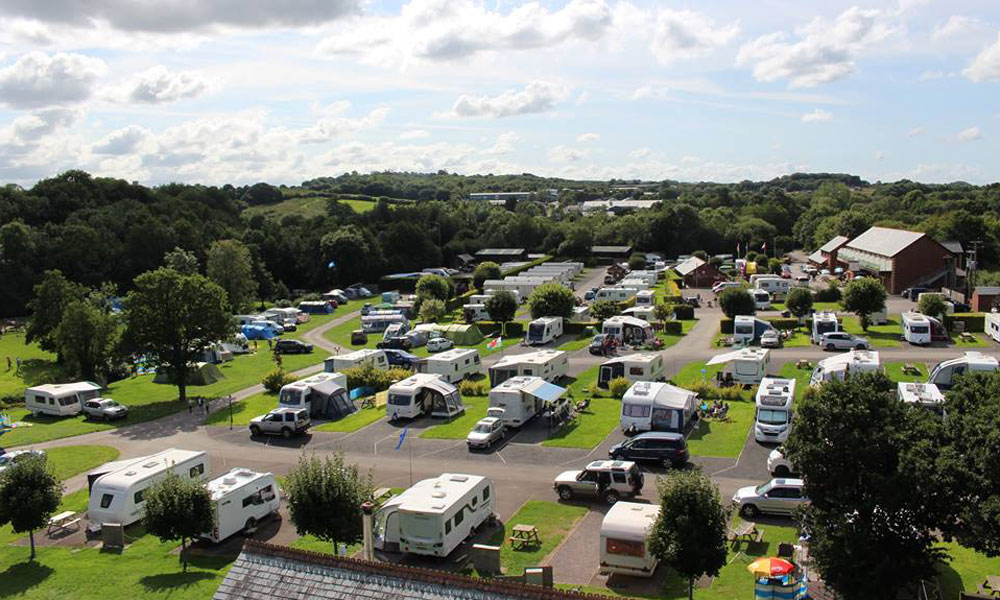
764,246
402,436
493,345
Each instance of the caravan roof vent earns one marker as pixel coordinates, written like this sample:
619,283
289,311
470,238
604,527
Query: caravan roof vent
459,477
129,473
438,495
150,464
229,481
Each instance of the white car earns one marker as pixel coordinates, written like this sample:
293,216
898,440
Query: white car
486,432
9,458
439,344
770,339
778,465
776,497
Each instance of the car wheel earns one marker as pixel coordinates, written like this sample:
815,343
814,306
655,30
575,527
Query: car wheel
250,524
565,493
610,497
667,463
782,471
861,347
286,433
830,347
749,511
254,430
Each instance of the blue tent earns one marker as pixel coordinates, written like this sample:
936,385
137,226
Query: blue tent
258,332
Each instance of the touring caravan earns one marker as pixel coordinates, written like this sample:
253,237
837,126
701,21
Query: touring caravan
656,406
316,307
377,321
926,395
452,365
482,298
421,394
339,362
631,282
240,499
773,417
645,298
117,496
748,329
625,539
916,328
761,299
641,312
543,330
616,294
627,330
841,366
475,312
324,395
435,515
642,366
749,365
943,375
550,365
581,314
60,399
774,285
518,399
991,325
823,322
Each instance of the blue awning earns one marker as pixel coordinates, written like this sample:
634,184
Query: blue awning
548,392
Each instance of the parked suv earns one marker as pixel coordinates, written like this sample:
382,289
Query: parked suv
664,447
841,340
104,409
292,347
778,496
281,421
608,480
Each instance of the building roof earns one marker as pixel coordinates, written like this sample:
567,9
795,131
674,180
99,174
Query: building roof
834,244
953,246
987,290
610,249
500,252
885,241
688,266
280,573
816,257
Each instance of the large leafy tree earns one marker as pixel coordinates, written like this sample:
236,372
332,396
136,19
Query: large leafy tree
689,535
87,338
799,301
181,260
551,300
932,305
864,296
485,271
502,307
604,309
736,301
229,265
431,310
434,286
325,496
171,317
354,253
177,509
29,495
52,295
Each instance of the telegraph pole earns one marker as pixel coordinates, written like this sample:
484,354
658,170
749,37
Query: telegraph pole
971,268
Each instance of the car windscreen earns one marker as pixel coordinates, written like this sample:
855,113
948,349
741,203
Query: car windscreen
483,428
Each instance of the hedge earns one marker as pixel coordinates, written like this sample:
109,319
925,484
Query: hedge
673,328
683,312
514,328
577,329
974,322
726,326
673,300
459,301
527,266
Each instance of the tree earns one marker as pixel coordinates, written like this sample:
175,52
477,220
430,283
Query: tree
181,261
171,317
604,309
662,312
689,534
29,495
799,302
178,509
325,496
737,301
52,295
551,300
578,241
229,265
431,310
774,265
637,261
932,305
485,271
354,252
502,307
434,286
864,296
87,338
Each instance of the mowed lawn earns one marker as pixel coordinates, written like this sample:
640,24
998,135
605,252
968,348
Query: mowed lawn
458,428
591,425
723,439
554,521
895,371
37,366
880,336
801,376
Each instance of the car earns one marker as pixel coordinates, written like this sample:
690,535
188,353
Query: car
665,447
786,274
104,409
961,307
693,301
486,432
802,279
610,280
914,292
439,344
589,295
841,340
359,337
770,339
284,421
596,346
292,347
7,459
609,480
366,309
778,465
776,497
400,358
397,342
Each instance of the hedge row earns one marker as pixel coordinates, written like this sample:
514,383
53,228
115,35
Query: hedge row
726,326
673,328
578,329
527,266
459,301
490,328
974,322
683,312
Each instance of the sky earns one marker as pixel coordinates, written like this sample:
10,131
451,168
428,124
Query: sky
241,91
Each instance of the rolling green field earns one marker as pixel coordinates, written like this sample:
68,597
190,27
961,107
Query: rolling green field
37,366
307,206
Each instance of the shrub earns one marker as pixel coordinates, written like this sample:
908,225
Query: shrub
683,312
552,300
275,380
576,329
469,387
707,391
783,323
603,309
830,294
726,325
618,386
397,374
283,303
673,328
366,375
431,310
736,301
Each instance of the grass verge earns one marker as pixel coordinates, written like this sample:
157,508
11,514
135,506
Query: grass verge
553,520
459,428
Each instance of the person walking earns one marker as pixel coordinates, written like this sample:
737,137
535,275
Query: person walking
9,366
201,404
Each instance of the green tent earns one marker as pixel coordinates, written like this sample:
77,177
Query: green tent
200,374
462,335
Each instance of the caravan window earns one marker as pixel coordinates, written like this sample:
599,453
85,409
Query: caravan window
459,517
636,410
626,548
106,500
197,470
447,527
919,328
486,494
259,497
528,372
475,500
67,401
772,417
399,400
635,370
139,497
744,329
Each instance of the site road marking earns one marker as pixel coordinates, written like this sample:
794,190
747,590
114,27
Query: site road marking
388,437
454,445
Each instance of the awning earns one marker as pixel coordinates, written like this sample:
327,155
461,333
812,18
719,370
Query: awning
718,359
548,392
440,386
327,388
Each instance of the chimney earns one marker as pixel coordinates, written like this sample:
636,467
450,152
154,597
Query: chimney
367,517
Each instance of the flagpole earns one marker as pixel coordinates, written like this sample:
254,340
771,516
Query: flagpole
409,448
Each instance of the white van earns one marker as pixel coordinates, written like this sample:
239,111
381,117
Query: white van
421,394
943,375
916,328
240,499
543,330
624,539
550,365
773,420
339,362
642,366
452,365
517,400
60,399
823,322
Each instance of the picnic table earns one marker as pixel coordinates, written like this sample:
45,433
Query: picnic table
911,369
523,535
803,363
63,521
744,532
967,337
990,586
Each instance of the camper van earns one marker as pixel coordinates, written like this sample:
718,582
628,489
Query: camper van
435,515
627,330
926,395
642,366
324,395
518,399
240,499
645,298
378,320
421,394
773,418
60,399
943,375
543,330
656,406
475,312
452,365
748,329
841,366
749,365
761,299
992,325
339,362
624,539
823,322
117,496
615,294
916,328
550,365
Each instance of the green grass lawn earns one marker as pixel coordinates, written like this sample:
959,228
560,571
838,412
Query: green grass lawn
341,335
723,439
592,425
553,520
799,339
880,336
307,205
459,428
67,461
801,377
966,570
671,339
353,422
37,366
894,370
691,374
580,342
259,404
817,306
981,341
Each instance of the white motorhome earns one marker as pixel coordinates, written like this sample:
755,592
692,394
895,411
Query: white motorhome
421,394
645,298
992,325
916,328
475,312
625,539
117,496
773,420
943,375
550,365
240,499
841,366
324,395
657,406
379,321
452,365
761,299
339,362
435,515
518,399
926,395
60,399
823,322
642,366
627,330
749,365
543,330
616,294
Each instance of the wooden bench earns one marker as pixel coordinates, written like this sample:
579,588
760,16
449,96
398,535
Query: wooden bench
523,535
63,522
911,369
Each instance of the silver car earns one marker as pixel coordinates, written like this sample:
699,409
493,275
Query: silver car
841,340
284,421
104,409
8,459
486,432
608,480
778,465
777,497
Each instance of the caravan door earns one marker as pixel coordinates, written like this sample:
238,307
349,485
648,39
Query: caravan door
609,372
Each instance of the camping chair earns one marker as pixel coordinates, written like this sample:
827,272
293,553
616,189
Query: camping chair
786,551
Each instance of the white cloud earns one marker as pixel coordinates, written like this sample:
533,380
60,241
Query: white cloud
685,34
817,115
536,97
969,134
504,144
986,65
824,51
956,25
123,141
41,123
37,79
159,85
583,138
565,154
915,132
414,134
332,124
640,153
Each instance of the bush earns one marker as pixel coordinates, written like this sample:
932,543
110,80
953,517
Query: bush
974,322
683,312
431,310
283,303
618,386
469,387
673,328
708,391
830,294
783,323
552,300
275,380
673,299
578,329
603,309
366,375
736,301
397,374
515,329
726,325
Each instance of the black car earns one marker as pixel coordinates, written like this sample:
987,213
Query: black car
292,347
664,447
401,358
398,342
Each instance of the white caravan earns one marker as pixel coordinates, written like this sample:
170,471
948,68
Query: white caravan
452,365
625,539
421,394
627,330
992,325
435,515
773,418
60,399
916,328
761,299
615,294
475,312
773,285
646,298
656,406
748,329
550,365
288,316
749,365
630,282
926,395
324,395
519,399
841,366
339,362
379,321
543,330
240,499
581,314
823,322
640,312
117,496
943,375
482,298
642,366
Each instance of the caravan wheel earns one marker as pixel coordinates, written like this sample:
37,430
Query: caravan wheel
250,524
